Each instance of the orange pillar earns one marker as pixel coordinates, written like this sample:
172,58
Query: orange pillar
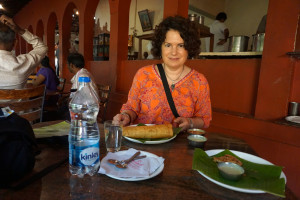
119,12
86,33
275,78
176,7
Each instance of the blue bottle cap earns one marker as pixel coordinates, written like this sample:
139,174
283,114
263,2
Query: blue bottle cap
84,79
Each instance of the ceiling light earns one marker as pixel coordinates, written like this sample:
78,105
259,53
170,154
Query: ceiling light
1,7
77,13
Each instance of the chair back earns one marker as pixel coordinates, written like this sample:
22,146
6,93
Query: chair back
104,92
27,102
61,86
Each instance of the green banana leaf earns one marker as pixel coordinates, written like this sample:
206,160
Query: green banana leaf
257,176
143,140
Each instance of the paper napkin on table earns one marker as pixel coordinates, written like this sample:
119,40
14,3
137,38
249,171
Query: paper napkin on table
137,168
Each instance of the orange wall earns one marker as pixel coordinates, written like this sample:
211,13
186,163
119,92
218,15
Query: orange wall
248,95
295,96
275,78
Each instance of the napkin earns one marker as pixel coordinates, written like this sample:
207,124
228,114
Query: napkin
135,169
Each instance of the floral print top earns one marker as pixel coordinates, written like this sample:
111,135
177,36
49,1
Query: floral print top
148,100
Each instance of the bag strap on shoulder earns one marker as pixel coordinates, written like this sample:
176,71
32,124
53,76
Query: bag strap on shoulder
167,90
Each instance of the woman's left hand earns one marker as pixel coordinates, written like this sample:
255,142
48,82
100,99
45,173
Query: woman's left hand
183,123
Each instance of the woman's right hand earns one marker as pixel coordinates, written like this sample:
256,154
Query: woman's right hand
121,119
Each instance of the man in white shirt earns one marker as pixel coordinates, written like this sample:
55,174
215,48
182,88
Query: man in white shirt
15,70
76,66
221,33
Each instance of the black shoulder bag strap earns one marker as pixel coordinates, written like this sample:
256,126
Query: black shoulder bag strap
167,90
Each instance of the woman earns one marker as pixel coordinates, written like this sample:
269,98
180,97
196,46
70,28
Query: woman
46,75
176,39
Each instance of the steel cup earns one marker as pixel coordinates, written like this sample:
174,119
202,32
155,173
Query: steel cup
294,108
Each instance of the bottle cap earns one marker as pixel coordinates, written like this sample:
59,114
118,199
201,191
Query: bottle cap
84,79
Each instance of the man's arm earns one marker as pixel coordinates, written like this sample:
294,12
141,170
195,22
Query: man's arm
226,35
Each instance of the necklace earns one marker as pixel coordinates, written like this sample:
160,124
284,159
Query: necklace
174,80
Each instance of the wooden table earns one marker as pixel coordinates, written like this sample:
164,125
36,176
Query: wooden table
177,181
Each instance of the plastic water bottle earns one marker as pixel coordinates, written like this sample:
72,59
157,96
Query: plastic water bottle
84,137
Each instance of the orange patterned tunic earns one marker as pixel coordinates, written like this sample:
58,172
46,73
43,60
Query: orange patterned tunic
148,100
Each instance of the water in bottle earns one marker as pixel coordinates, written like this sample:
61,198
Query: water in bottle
84,137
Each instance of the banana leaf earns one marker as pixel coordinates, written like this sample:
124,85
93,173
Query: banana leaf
143,140
257,176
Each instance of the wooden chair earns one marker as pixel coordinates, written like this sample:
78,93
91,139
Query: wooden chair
27,102
104,92
59,95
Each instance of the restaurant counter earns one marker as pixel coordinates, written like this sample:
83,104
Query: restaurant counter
51,178
230,55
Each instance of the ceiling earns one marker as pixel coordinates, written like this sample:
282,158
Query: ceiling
11,7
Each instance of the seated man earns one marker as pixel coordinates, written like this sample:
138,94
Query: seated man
76,66
15,70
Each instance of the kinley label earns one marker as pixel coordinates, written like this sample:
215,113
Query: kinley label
89,155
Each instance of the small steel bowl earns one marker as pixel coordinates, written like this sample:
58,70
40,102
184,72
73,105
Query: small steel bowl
197,140
230,171
196,131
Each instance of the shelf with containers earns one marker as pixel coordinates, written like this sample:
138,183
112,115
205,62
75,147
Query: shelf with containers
101,47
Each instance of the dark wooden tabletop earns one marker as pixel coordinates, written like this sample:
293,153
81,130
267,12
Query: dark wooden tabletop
51,178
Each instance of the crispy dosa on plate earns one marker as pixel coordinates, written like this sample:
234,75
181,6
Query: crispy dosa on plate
155,131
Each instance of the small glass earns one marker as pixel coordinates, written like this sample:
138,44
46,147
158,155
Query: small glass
113,136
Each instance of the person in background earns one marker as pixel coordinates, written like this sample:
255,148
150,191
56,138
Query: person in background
76,66
74,46
56,53
15,70
220,31
175,39
46,75
149,47
262,25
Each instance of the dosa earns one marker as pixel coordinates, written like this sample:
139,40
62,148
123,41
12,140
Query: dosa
155,131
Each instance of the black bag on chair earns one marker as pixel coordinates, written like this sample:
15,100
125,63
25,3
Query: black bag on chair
18,148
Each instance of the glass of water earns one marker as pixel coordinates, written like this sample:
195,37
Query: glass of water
113,136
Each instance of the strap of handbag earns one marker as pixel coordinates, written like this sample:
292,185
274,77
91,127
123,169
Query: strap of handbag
167,89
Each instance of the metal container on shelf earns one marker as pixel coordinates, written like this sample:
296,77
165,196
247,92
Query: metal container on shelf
238,43
258,42
201,19
194,18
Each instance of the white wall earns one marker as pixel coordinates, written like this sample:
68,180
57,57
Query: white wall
243,16
103,13
212,7
155,8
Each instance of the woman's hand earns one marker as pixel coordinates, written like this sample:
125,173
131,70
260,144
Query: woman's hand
121,119
183,122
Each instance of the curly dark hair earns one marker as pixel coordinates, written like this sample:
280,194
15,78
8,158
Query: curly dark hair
188,31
